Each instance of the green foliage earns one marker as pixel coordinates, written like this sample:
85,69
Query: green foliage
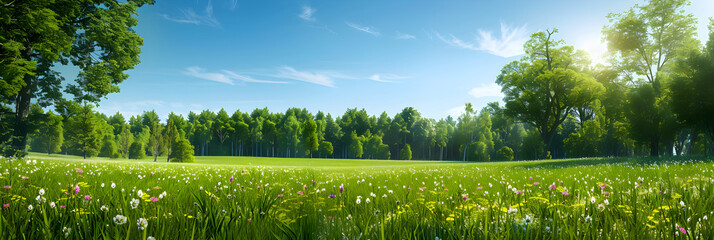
406,153
182,151
586,142
504,154
533,146
325,149
124,141
109,149
157,143
356,148
84,132
49,135
136,151
309,136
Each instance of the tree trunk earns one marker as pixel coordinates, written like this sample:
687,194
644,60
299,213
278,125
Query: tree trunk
22,110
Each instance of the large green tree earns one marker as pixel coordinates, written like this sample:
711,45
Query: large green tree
94,35
309,136
645,41
543,87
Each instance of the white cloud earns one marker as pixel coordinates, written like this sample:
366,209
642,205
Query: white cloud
509,44
307,13
386,77
490,90
366,29
456,111
224,76
404,36
190,16
304,76
201,73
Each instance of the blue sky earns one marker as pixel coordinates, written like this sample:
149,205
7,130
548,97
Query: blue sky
333,55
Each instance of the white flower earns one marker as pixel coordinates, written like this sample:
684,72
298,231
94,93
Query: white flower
42,191
29,207
588,218
120,219
52,205
512,210
134,203
66,231
104,208
162,195
681,203
140,193
359,201
150,238
102,184
593,200
142,223
114,185
367,200
606,202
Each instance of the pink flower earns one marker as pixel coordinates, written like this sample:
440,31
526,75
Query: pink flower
565,193
479,188
6,187
280,195
659,191
683,231
536,183
76,189
530,178
259,186
446,189
330,217
243,171
79,171
603,186
153,199
62,206
87,197
152,173
231,179
341,189
250,219
606,193
300,193
552,187
519,192
305,186
6,205
25,178
464,197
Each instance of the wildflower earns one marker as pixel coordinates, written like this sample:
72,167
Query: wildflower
464,197
606,193
134,203
114,185
162,195
29,207
332,196
120,219
606,202
603,186
536,183
359,201
528,219
79,171
25,178
231,179
341,188
52,205
153,199
140,193
681,203
300,193
87,197
588,218
76,189
102,185
565,193
601,206
519,192
104,208
150,238
280,195
66,231
367,200
250,219
479,188
683,231
512,210
42,191
6,205
6,187
552,186
142,223
593,200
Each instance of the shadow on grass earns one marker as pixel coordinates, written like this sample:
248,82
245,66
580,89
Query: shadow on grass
639,161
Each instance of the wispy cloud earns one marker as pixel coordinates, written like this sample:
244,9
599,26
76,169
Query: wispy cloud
404,36
307,13
366,29
224,76
389,78
304,76
509,44
489,90
190,16
232,4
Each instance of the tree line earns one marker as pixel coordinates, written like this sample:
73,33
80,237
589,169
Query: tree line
654,96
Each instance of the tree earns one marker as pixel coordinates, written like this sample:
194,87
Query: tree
83,130
504,154
136,151
182,151
171,135
693,89
49,135
125,139
405,153
356,148
646,40
109,148
157,143
95,36
222,126
325,149
270,133
543,87
309,136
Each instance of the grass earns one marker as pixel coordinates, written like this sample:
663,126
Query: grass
269,198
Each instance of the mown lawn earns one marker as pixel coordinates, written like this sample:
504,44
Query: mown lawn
60,196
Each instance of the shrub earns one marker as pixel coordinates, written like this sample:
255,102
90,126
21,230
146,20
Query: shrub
136,151
406,153
505,154
181,151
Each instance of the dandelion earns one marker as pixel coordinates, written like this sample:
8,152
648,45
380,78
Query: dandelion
134,203
120,219
142,223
